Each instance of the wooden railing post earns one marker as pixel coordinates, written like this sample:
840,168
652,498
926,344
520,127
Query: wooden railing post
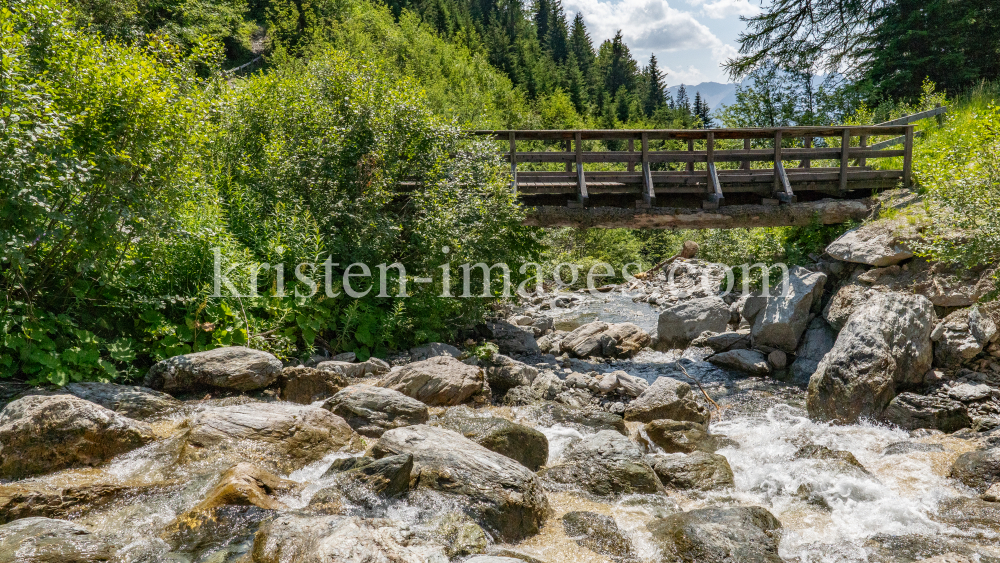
648,194
806,163
777,162
845,146
513,163
746,146
631,148
690,166
863,144
581,180
908,157
569,148
713,197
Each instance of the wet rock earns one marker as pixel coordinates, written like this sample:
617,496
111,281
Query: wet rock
961,336
726,341
947,558
782,321
816,344
512,339
460,535
368,368
884,346
45,540
992,494
605,464
718,535
503,373
551,343
968,393
433,350
495,559
667,398
70,497
679,324
977,469
389,476
440,381
750,362
228,507
130,400
234,367
899,448
372,410
281,437
777,359
842,461
689,278
624,340
911,411
966,513
697,470
674,436
844,302
45,433
547,386
340,538
527,446
872,244
307,385
598,533
504,496
584,419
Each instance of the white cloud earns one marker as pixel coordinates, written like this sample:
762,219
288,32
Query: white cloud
689,75
720,9
647,25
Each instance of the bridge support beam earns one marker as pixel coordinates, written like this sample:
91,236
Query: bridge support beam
828,211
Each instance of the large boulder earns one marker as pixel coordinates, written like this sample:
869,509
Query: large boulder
503,495
885,346
439,381
45,433
667,398
368,368
750,362
816,344
843,303
587,420
598,338
280,437
911,411
624,340
504,373
679,324
45,540
585,341
527,446
698,470
598,533
372,410
130,400
961,336
306,385
512,339
234,367
689,278
872,244
674,436
977,469
72,494
605,464
433,350
747,534
782,321
340,538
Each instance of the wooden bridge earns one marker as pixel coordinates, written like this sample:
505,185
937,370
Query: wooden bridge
699,178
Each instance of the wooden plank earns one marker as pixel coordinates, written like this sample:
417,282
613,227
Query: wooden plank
895,141
908,157
513,162
690,134
863,143
845,146
785,195
569,147
581,179
806,163
690,166
631,148
745,164
777,161
715,196
908,119
740,155
648,194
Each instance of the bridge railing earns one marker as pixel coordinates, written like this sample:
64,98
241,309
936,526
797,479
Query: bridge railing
776,180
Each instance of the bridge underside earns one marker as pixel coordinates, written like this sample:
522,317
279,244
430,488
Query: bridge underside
826,211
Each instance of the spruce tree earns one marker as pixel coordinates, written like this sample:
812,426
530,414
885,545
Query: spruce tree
654,96
683,104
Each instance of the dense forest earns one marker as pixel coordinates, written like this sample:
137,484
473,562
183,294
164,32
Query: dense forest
140,139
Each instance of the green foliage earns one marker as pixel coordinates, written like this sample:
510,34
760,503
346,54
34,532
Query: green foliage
486,351
586,248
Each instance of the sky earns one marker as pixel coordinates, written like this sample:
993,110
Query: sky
690,38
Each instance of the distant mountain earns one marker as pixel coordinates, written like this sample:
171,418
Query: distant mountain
714,93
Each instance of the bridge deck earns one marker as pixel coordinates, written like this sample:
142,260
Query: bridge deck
703,168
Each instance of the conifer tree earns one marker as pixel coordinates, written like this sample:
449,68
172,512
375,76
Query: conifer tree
683,104
654,97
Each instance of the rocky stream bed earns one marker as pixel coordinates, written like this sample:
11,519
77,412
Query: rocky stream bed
852,419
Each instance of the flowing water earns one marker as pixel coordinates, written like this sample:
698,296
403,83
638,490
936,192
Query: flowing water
831,514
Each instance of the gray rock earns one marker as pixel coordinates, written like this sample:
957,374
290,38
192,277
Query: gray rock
624,340
504,496
697,470
306,385
503,372
679,324
340,538
748,361
667,398
282,436
599,534
372,410
747,534
389,476
551,414
911,411
45,433
899,448
547,385
45,540
961,336
585,341
816,344
690,278
433,350
551,343
884,346
494,559
870,244
527,446
512,339
844,302
726,341
968,393
841,461
129,400
977,469
783,320
368,368
233,367
777,359
674,436
346,357
605,464
629,384
440,381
